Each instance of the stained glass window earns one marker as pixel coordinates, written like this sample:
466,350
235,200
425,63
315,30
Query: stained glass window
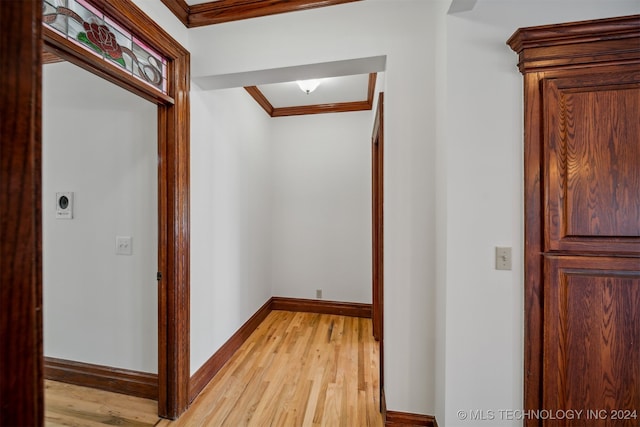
86,26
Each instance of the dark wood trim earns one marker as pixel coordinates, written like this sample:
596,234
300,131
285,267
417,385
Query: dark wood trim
616,37
220,11
217,12
50,58
173,188
371,90
339,107
174,244
405,419
300,110
574,32
202,376
260,99
21,380
533,266
377,221
180,8
124,381
377,231
352,309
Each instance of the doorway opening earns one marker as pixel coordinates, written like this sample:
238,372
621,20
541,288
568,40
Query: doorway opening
100,252
173,182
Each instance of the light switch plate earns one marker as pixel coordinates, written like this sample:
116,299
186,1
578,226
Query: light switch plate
503,258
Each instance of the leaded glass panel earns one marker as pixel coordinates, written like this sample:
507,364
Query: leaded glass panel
86,26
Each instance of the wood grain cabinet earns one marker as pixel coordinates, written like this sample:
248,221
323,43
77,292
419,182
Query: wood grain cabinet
582,221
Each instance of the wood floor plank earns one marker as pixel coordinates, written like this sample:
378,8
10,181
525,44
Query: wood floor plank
312,402
296,369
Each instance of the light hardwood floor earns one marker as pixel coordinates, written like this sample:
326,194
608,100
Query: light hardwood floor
296,369
71,405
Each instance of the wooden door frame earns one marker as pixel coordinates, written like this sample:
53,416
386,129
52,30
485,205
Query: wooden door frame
21,384
377,225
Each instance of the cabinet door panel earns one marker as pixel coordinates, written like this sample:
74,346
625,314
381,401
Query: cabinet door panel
592,164
592,339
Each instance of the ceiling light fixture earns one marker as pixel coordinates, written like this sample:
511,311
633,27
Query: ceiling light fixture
308,86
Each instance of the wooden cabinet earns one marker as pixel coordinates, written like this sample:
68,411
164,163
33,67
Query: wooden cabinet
582,221
591,332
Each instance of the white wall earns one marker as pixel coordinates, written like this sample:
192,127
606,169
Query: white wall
481,327
322,206
100,142
483,195
230,216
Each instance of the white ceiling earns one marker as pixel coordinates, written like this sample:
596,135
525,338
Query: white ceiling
330,90
343,81
349,67
458,6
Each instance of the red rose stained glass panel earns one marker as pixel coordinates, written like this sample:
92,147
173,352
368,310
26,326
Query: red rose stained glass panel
88,27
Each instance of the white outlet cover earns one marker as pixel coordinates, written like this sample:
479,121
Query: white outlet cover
124,245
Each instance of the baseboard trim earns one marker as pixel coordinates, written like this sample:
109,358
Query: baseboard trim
405,419
124,381
351,309
202,376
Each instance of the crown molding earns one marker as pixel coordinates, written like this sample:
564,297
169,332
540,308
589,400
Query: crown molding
260,99
300,110
340,107
622,27
217,12
179,8
574,44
